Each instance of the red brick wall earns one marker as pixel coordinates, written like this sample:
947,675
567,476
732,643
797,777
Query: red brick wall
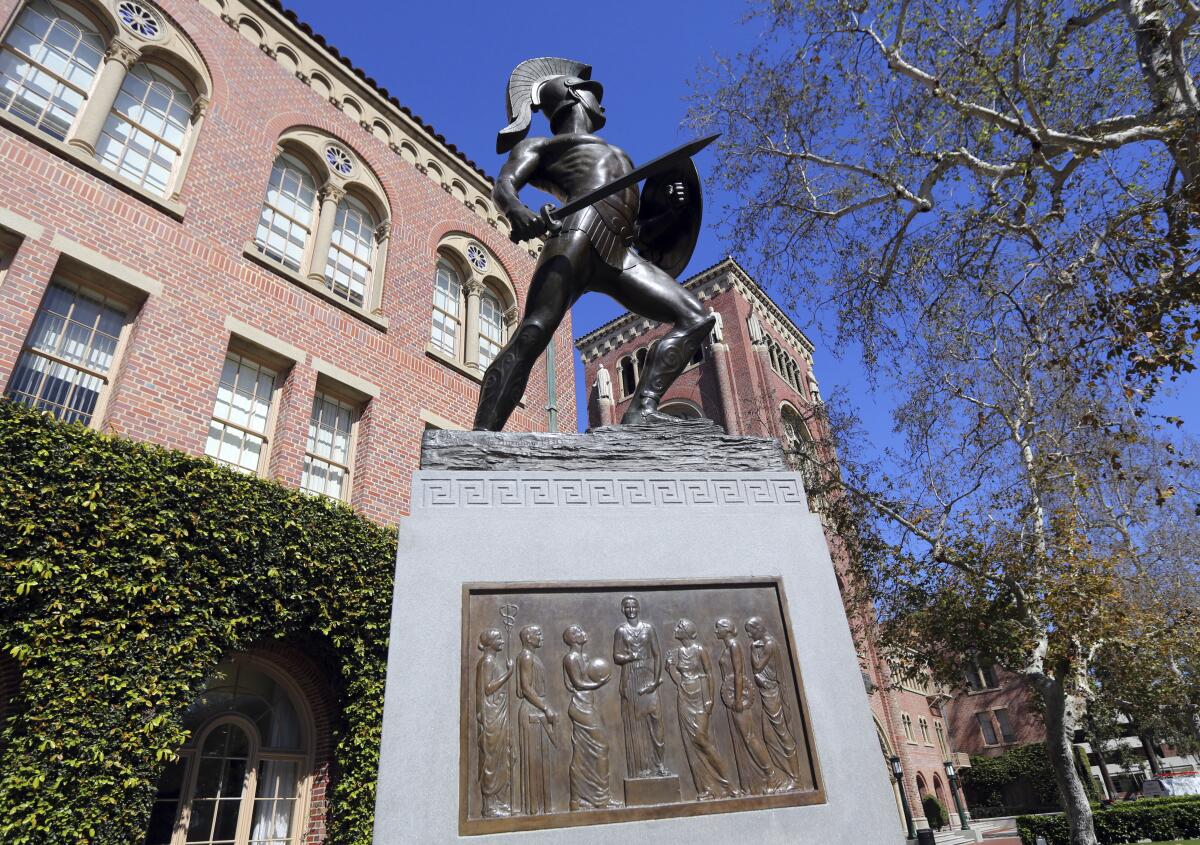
1011,694
757,393
166,383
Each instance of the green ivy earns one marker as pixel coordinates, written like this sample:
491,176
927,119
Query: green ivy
126,572
987,776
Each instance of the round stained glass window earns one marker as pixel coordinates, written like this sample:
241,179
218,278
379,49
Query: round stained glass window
139,19
477,257
339,160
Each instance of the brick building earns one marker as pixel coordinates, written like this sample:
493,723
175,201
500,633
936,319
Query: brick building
996,712
755,377
218,235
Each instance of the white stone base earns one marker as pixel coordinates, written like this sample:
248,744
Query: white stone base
535,526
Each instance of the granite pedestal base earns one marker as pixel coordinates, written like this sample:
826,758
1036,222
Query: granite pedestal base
558,526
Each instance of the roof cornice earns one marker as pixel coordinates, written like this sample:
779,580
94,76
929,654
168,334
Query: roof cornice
384,100
630,325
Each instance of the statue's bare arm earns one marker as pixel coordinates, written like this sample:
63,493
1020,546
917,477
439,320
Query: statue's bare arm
521,167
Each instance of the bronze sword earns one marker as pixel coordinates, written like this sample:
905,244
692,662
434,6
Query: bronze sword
554,216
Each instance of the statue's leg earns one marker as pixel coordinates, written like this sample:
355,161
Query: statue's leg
561,276
646,290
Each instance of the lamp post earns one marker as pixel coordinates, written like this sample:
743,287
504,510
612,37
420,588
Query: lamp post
962,811
898,774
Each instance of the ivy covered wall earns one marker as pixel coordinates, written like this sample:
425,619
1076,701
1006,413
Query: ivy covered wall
989,780
126,572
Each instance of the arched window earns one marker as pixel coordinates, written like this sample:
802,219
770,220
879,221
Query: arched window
447,308
491,328
349,266
906,723
800,451
241,779
48,63
287,213
641,355
924,724
681,409
628,376
144,135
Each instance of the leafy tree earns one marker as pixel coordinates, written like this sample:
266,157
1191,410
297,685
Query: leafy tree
999,201
884,150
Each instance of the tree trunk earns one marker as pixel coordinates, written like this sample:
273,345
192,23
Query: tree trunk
1059,733
1098,747
1172,89
1151,752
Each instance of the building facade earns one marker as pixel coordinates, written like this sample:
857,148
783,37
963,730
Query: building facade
755,377
218,235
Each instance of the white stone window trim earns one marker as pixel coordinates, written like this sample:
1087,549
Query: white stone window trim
343,397
152,75
305,779
86,27
284,162
126,302
907,726
308,147
245,351
466,358
341,242
492,327
136,16
122,52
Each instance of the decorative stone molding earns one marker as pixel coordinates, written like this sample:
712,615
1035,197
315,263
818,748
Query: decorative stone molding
200,108
468,490
330,192
474,287
383,231
126,54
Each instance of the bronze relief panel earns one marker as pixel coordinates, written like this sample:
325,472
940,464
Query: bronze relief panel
596,702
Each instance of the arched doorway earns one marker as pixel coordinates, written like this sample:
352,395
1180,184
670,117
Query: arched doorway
940,793
245,775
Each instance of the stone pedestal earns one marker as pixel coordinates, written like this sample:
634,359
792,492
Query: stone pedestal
547,523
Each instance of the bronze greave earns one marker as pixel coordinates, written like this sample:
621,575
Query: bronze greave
666,359
504,382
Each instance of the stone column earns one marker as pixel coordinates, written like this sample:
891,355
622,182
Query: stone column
118,59
199,110
472,288
374,300
720,354
330,196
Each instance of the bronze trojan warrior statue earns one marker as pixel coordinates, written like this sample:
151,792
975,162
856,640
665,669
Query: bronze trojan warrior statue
622,244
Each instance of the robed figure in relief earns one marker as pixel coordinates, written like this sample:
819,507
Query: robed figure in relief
636,651
737,694
583,676
492,726
535,720
764,659
690,668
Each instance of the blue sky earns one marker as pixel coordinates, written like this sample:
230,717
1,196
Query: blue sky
449,64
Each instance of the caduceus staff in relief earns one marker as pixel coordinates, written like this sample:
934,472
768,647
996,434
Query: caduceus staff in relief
508,614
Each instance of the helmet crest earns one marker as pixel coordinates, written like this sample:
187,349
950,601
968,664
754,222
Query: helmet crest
523,83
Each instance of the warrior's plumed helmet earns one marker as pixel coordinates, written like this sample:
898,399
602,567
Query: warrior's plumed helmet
524,90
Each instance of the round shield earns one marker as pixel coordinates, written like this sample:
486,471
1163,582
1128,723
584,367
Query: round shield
668,221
